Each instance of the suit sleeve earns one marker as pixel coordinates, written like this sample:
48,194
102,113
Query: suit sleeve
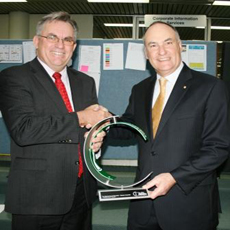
124,133
214,145
25,124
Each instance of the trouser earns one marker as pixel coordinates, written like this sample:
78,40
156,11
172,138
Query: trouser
78,218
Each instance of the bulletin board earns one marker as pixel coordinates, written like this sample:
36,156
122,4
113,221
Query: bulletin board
114,91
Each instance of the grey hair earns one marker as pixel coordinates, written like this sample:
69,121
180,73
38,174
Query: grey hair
57,16
164,23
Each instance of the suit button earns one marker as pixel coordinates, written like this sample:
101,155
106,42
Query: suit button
76,162
154,153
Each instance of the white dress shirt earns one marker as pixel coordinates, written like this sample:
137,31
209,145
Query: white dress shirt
64,78
171,80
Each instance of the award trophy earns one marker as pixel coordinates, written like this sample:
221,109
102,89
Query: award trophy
119,191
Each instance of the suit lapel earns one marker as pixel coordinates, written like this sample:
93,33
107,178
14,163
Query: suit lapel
148,103
180,89
76,90
42,76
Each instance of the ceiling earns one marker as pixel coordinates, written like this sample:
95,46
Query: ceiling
123,12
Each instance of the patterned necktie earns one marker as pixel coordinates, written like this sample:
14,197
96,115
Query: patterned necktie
158,107
62,90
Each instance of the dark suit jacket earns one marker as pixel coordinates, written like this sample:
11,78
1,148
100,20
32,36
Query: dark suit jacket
44,139
191,142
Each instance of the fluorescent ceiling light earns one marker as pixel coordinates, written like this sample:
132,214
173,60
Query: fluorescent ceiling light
220,27
122,25
216,27
121,1
13,0
221,3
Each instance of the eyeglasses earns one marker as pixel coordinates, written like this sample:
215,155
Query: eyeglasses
55,39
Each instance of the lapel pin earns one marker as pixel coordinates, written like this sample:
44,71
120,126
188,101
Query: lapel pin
184,87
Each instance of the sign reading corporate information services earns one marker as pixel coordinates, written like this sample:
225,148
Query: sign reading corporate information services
177,20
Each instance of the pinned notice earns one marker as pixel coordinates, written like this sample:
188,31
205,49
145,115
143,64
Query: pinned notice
89,59
113,56
10,53
84,68
135,57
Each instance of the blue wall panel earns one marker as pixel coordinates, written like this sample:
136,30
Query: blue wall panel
115,88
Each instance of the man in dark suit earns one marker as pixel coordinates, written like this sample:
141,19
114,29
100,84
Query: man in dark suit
45,189
190,143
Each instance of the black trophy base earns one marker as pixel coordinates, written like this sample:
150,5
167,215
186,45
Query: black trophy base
123,194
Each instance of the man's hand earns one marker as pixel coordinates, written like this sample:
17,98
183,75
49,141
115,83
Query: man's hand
162,183
96,142
92,115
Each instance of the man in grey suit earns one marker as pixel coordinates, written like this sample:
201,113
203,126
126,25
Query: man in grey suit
45,187
190,143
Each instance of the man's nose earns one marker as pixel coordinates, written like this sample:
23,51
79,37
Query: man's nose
162,49
60,43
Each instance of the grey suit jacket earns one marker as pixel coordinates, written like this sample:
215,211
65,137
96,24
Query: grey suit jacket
44,139
191,142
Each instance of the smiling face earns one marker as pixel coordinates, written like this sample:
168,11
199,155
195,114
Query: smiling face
163,49
55,55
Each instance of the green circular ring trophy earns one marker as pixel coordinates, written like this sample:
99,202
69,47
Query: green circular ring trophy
120,192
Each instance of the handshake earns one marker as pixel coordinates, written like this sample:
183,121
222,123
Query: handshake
92,115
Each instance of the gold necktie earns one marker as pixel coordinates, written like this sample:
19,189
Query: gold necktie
158,107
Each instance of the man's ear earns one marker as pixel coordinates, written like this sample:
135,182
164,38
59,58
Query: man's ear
146,55
180,45
35,41
75,46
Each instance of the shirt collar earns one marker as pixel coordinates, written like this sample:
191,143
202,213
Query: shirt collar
50,71
173,76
